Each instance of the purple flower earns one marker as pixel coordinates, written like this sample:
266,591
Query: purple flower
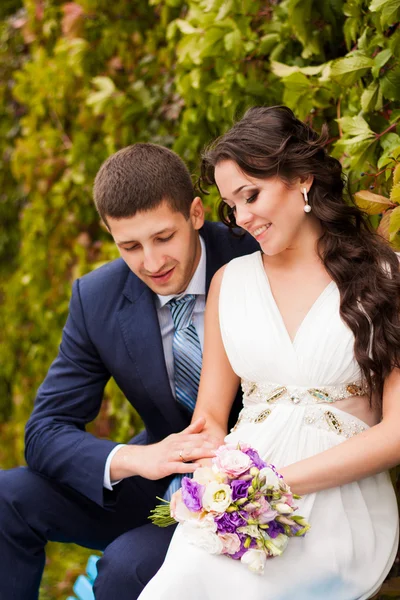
192,493
243,550
274,529
255,458
239,488
229,522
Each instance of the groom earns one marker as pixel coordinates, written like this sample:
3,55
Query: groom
138,319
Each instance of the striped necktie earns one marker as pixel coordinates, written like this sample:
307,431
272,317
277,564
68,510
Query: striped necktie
186,350
187,353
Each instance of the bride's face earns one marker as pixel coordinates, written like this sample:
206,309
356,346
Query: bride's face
268,209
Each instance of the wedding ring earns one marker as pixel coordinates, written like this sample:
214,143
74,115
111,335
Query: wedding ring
181,456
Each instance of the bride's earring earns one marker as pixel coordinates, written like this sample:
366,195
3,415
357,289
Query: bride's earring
307,207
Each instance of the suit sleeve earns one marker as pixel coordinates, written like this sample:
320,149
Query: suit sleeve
56,443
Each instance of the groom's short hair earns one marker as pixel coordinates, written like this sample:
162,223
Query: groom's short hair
138,178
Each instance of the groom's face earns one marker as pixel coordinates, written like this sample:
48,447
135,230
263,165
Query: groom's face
160,246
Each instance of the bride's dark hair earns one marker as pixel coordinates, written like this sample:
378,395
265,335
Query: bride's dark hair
269,142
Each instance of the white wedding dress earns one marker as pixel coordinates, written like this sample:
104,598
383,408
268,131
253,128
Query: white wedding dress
288,417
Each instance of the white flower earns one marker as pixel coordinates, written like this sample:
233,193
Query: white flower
204,475
271,478
283,509
207,522
217,497
203,538
231,542
255,560
251,530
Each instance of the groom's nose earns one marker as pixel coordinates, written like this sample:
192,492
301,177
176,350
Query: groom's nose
152,262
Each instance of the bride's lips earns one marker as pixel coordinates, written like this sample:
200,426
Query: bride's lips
258,232
163,277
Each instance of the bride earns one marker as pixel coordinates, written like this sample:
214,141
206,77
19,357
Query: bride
310,327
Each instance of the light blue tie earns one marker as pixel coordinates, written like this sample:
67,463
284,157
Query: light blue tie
186,349
187,353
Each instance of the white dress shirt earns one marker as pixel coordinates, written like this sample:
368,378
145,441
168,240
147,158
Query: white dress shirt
197,286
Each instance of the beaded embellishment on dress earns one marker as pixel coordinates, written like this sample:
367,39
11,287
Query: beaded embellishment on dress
254,393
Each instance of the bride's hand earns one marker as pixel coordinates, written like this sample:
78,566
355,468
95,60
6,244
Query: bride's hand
205,462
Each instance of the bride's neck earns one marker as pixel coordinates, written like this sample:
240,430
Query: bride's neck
302,252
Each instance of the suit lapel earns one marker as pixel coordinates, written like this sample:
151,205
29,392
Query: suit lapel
215,249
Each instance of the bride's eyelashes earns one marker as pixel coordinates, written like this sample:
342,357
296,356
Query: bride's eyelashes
252,198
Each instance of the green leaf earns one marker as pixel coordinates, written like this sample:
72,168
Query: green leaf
98,99
395,193
267,42
383,227
185,27
390,84
370,97
225,9
233,42
394,224
351,68
356,126
396,175
372,204
388,8
380,60
282,70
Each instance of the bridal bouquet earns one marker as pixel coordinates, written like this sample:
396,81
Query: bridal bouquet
240,507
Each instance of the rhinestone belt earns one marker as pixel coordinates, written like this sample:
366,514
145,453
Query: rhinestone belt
254,393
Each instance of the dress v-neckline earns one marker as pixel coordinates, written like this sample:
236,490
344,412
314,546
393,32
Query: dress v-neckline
312,308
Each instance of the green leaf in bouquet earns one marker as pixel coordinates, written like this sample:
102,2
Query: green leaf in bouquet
161,515
370,203
351,68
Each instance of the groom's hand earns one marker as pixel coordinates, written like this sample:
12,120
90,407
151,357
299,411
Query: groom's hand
178,453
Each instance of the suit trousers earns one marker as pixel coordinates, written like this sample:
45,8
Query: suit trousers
35,510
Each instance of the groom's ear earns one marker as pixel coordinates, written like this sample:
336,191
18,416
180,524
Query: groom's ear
197,213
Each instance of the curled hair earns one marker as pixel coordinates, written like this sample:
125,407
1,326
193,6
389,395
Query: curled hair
271,142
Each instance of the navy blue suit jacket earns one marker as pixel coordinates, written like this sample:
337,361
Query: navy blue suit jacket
112,330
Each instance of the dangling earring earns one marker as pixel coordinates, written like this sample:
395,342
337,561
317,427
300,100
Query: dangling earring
307,207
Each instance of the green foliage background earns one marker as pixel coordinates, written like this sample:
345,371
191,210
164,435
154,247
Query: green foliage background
80,80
